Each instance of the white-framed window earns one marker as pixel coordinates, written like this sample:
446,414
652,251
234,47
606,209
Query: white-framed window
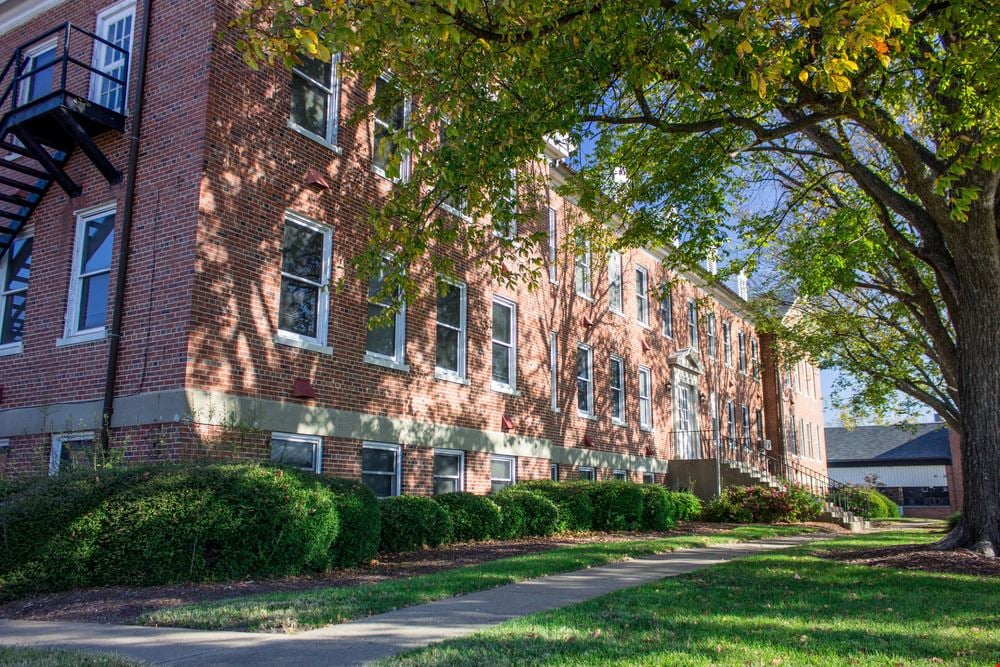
70,451
554,472
809,440
39,71
88,298
115,25
731,420
727,343
585,380
615,282
793,444
710,334
642,295
741,350
449,471
586,473
760,425
755,357
303,310
648,478
802,438
503,472
507,229
454,200
381,468
645,399
745,414
386,125
504,345
450,342
554,370
667,313
385,342
315,108
617,389
620,475
553,245
693,323
581,270
15,272
819,444
297,451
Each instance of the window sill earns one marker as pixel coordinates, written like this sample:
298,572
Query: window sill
380,172
451,377
11,349
337,150
584,415
619,313
619,422
385,362
647,429
302,344
585,297
451,210
644,325
84,337
505,389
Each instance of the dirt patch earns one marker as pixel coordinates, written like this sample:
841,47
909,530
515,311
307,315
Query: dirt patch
123,605
921,557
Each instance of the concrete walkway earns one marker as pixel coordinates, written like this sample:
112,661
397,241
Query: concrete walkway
362,641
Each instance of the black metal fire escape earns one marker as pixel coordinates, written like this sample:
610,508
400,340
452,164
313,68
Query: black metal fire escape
56,98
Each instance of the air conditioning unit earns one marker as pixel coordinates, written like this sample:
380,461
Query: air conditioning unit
765,445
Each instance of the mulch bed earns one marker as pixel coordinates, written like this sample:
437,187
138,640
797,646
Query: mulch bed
124,605
921,557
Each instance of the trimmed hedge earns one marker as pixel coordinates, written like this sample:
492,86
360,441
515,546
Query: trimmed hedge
474,518
762,504
164,524
532,513
576,511
658,510
413,522
360,522
687,506
865,501
618,505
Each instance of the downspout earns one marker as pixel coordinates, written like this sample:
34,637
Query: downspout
118,304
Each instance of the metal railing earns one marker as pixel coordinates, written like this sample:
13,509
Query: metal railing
71,66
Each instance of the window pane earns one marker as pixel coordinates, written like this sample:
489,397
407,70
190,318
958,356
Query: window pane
381,340
19,266
449,306
501,323
302,252
376,459
40,75
500,469
582,396
496,486
93,301
447,349
442,486
317,70
13,318
447,465
310,106
380,485
298,308
293,453
76,454
501,363
98,239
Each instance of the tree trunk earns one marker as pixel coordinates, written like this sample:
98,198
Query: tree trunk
978,332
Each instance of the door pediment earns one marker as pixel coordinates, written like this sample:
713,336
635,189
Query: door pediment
687,359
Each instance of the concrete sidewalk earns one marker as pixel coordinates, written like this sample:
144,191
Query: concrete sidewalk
383,635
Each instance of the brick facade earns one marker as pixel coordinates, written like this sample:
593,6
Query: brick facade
201,373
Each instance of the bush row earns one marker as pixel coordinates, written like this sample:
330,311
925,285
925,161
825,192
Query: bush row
762,504
866,502
533,508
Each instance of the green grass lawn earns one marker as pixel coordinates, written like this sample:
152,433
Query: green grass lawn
782,608
17,656
302,610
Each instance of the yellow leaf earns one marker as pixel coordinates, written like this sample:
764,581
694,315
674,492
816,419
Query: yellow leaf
743,48
803,76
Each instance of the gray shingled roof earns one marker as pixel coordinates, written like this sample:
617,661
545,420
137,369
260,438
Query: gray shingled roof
887,443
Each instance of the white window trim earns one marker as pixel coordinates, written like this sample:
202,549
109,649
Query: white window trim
668,301
291,338
553,468
727,343
513,468
648,477
315,440
397,361
711,335
582,469
55,454
33,52
461,467
642,297
72,335
615,259
731,420
643,423
741,352
404,162
553,245
505,387
107,15
554,370
333,107
622,420
692,324
585,260
398,473
15,347
446,374
589,413
619,474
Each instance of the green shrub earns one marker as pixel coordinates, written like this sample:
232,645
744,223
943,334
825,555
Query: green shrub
413,522
576,511
954,519
617,505
164,524
541,516
687,506
512,517
762,504
658,511
474,517
866,502
360,522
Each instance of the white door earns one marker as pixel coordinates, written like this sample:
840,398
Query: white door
685,421
115,26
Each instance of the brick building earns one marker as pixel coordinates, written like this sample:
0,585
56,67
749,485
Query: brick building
177,237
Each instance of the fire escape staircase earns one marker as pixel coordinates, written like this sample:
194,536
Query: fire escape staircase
48,111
